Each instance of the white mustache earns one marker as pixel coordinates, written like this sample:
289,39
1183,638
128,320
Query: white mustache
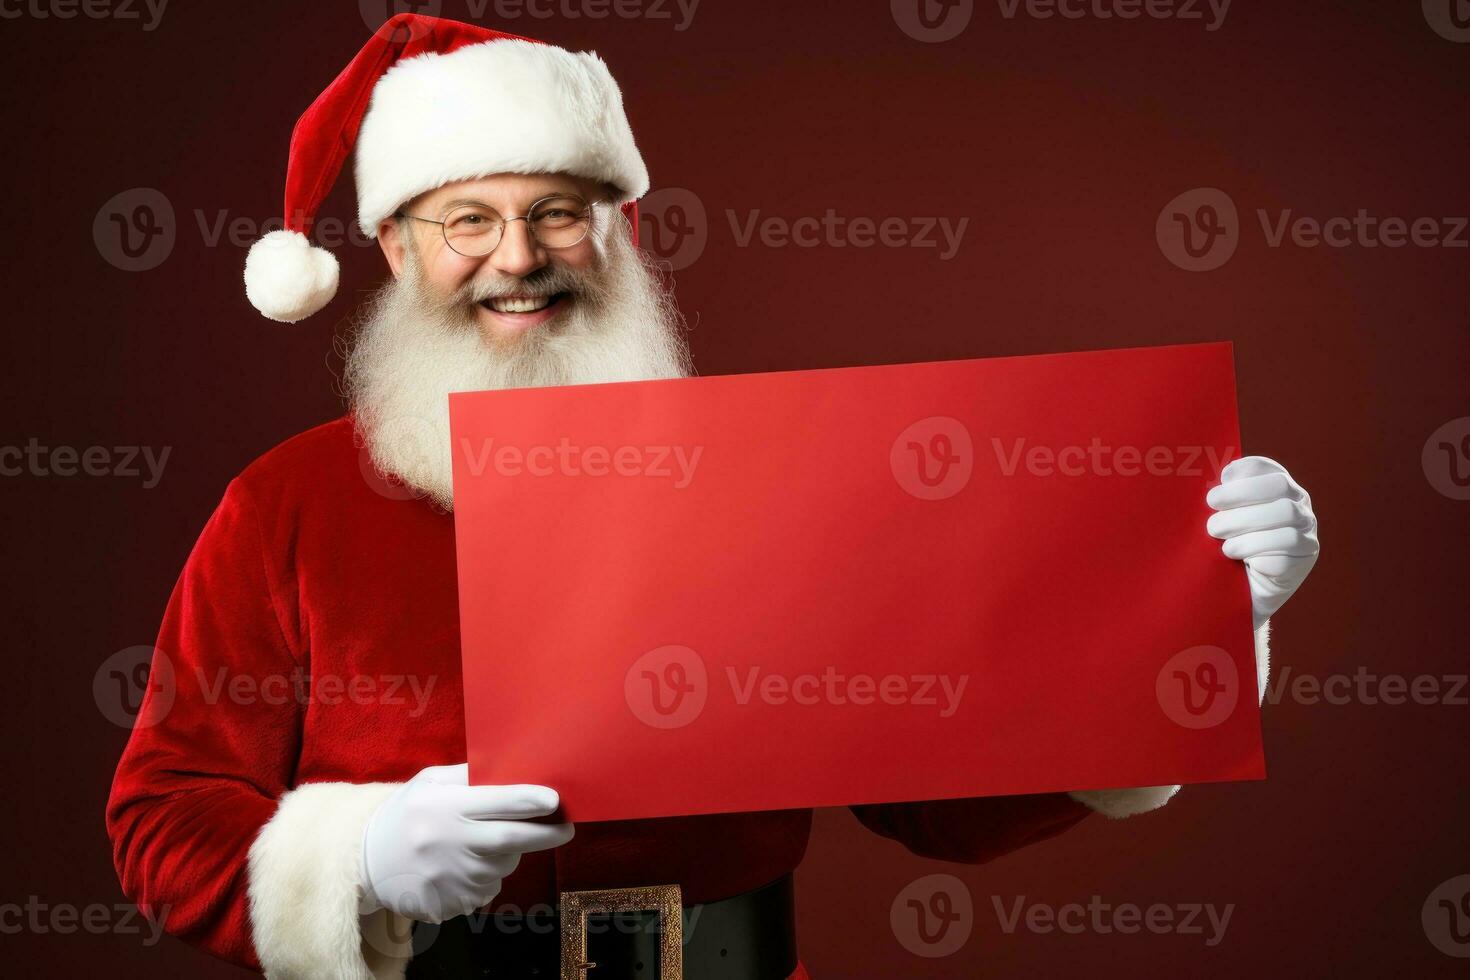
548,281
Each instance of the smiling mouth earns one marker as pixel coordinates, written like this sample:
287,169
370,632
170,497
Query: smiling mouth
523,304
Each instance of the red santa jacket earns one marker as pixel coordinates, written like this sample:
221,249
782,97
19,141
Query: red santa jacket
308,661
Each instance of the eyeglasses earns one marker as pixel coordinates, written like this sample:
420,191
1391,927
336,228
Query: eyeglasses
474,230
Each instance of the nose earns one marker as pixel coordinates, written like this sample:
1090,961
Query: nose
518,254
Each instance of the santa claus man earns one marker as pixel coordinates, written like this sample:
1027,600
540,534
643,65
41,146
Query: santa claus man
324,828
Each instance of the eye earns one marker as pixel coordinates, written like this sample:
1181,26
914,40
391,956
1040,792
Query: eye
472,219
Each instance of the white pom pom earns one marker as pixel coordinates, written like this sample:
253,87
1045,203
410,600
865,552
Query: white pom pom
287,278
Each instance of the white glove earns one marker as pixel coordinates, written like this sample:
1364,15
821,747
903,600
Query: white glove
1266,520
438,847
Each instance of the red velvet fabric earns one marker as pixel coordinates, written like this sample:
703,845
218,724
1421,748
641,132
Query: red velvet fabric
312,565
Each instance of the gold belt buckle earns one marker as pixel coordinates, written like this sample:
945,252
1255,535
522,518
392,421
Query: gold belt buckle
667,900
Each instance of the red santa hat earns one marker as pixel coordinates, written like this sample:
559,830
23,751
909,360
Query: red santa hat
427,102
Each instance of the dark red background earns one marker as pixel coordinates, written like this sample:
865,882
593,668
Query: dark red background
1061,141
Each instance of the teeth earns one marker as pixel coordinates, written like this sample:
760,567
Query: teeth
529,304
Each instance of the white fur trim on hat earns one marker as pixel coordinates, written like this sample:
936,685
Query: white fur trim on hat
504,106
287,278
305,885
1120,803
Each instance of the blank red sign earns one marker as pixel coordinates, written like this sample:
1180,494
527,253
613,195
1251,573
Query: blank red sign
860,585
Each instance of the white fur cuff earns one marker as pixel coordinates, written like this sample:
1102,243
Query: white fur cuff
304,888
1120,803
1263,659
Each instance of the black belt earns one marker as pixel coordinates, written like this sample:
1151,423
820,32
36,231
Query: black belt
619,934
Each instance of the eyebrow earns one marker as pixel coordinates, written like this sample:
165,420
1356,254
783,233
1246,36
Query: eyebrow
461,202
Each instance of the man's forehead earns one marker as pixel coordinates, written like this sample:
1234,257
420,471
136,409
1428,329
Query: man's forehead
507,189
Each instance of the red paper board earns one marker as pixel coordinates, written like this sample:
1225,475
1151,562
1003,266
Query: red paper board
743,593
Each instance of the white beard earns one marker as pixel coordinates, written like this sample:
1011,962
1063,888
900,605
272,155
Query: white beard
412,349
